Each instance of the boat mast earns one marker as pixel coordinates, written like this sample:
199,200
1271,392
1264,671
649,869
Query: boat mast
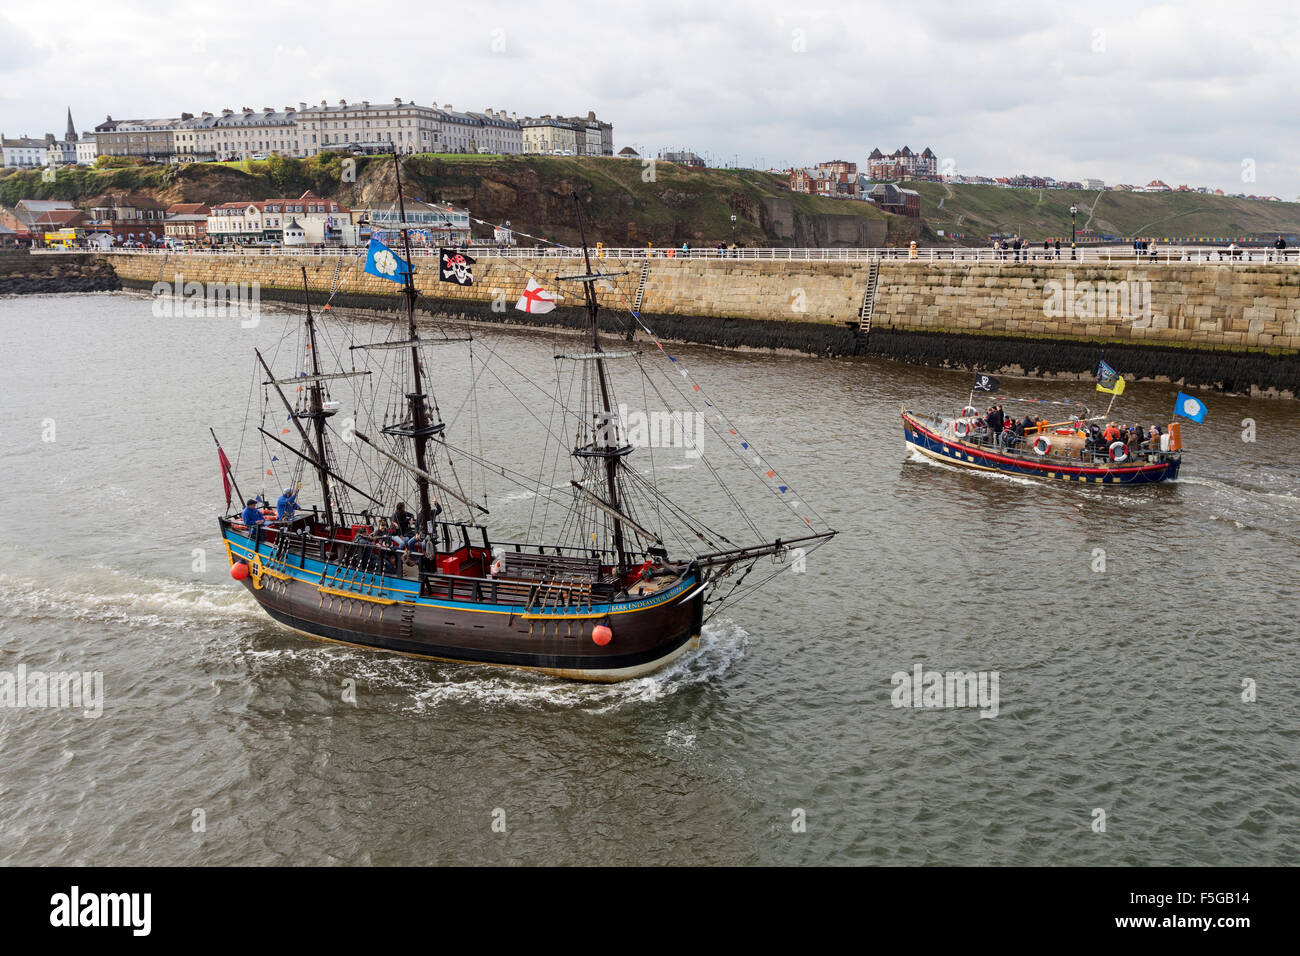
611,459
318,412
419,418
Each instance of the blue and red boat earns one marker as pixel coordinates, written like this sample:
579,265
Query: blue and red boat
1069,450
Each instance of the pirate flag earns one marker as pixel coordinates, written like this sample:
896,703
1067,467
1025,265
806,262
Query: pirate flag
985,383
454,266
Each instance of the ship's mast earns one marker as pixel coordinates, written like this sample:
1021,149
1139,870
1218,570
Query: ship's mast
611,457
419,416
318,412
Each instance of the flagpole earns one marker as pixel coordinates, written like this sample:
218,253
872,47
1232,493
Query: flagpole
234,484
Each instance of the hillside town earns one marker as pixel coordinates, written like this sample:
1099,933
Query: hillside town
303,131
128,219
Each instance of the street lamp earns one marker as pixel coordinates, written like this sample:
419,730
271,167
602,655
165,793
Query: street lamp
1074,212
733,232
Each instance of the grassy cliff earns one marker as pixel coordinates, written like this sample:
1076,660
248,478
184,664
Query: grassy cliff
624,201
1038,214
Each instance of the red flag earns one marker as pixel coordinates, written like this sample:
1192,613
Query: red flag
225,467
225,473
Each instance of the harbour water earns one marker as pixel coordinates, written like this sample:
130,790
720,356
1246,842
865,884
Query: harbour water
1120,680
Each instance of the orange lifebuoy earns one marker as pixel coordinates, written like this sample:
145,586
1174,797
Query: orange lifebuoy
1119,455
1042,445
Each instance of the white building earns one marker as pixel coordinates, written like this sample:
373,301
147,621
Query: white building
582,136
430,223
1093,184
498,133
23,152
308,219
404,127
239,135
87,150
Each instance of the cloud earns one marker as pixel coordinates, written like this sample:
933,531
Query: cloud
1123,91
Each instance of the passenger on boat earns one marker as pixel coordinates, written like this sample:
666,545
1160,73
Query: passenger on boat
995,419
404,520
426,520
1111,434
253,520
286,505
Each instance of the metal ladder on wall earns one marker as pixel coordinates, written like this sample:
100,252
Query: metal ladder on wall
640,287
869,298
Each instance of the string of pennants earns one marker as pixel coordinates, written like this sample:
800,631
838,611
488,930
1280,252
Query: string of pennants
742,446
741,442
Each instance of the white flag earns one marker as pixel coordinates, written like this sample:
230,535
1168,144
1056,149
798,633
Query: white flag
535,299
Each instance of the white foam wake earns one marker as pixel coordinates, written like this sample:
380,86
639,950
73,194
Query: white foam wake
425,686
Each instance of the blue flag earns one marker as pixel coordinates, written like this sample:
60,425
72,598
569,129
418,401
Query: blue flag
1190,407
385,263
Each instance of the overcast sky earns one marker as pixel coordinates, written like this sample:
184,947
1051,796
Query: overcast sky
1195,93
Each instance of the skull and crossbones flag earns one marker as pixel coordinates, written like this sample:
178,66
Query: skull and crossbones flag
985,383
454,267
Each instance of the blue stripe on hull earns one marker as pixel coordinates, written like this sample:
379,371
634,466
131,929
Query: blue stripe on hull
401,589
970,457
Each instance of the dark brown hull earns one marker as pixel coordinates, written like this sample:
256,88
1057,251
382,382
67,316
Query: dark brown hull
647,633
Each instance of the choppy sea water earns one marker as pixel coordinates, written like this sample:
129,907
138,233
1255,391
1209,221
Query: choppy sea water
1120,690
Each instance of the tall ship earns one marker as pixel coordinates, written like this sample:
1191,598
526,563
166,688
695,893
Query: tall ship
618,579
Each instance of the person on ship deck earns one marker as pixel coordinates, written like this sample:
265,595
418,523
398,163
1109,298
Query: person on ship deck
286,505
253,520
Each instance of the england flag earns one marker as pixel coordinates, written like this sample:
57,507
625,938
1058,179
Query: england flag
536,300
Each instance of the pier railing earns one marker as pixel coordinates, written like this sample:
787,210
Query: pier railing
1090,255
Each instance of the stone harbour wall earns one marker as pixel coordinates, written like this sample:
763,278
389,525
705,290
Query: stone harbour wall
1228,325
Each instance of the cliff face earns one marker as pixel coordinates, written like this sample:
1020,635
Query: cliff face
625,202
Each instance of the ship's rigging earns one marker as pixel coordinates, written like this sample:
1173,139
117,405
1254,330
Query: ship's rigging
385,437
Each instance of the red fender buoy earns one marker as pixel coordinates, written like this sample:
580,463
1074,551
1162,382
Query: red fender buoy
239,570
601,634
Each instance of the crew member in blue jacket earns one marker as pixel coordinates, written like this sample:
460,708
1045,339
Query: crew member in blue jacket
286,505
253,519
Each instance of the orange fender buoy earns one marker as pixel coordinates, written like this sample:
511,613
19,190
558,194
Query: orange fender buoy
239,570
601,634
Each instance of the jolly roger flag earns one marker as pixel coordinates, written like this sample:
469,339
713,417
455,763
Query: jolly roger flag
454,267
985,383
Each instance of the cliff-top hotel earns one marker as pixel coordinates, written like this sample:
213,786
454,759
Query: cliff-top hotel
306,130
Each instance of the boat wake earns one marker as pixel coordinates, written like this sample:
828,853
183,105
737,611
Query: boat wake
426,686
916,456
1236,487
108,596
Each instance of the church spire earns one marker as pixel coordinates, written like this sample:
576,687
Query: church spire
72,130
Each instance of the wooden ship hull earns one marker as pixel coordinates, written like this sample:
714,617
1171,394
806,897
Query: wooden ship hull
604,600
927,437
468,616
